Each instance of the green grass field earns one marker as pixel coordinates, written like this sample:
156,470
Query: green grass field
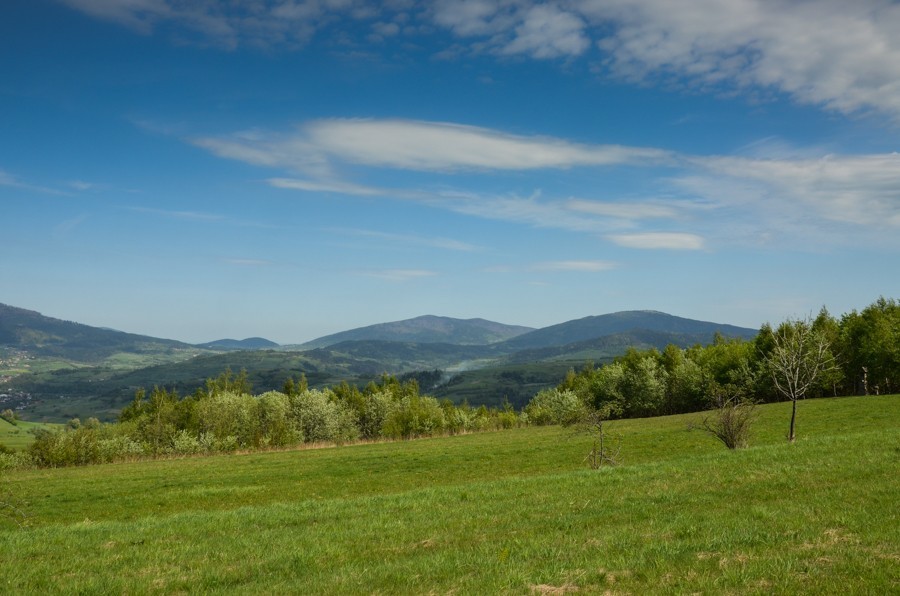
506,512
18,436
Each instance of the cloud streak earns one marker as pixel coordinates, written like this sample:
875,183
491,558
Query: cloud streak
414,145
411,239
577,266
658,241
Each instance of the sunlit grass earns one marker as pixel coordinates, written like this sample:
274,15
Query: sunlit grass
513,512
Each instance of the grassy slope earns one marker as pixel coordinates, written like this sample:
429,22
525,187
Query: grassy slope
498,512
17,436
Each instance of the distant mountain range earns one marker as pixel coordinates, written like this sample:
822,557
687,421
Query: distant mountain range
480,361
32,331
427,329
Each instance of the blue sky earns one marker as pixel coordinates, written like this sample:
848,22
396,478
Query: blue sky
196,170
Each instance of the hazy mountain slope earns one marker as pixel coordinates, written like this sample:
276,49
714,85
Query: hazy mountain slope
33,332
602,325
427,329
609,346
251,343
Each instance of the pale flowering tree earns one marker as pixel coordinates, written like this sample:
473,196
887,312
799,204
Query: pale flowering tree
799,356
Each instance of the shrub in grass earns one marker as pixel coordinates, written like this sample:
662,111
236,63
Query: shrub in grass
414,416
120,447
554,406
730,422
277,427
185,443
376,407
226,414
457,419
321,418
9,415
72,447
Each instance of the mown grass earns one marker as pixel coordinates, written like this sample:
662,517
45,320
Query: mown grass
512,512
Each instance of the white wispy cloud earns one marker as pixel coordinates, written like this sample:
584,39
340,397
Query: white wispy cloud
623,210
579,266
330,186
82,185
184,215
412,239
318,146
658,240
530,210
860,189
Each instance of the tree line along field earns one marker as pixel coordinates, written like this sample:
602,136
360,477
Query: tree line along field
514,511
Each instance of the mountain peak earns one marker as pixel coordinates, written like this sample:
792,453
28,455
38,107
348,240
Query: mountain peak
427,329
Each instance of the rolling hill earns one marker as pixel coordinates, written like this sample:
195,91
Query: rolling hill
45,336
589,328
251,343
427,329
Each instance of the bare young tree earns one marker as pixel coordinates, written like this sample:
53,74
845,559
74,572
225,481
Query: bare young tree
605,449
799,356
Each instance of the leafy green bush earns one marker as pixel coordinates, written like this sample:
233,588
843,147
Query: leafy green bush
322,418
377,405
414,416
554,406
230,416
72,447
277,427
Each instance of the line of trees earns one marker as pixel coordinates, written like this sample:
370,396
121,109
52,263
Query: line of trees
226,417
855,355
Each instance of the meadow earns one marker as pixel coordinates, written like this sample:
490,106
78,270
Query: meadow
514,511
18,436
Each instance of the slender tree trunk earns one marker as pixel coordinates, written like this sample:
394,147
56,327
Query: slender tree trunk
793,417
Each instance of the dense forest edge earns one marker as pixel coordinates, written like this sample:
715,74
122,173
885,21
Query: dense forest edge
858,354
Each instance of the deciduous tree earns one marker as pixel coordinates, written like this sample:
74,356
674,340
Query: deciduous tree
800,355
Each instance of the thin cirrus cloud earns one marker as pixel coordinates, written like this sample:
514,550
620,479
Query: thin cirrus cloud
330,186
411,239
182,215
578,266
860,189
843,56
639,210
658,240
415,145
